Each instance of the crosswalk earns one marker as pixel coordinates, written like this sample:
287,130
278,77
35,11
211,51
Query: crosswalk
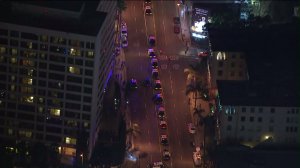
167,66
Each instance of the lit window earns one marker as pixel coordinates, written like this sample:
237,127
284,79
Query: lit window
13,60
29,99
30,72
86,125
12,87
29,45
14,51
28,62
13,78
26,134
69,151
70,140
41,109
41,100
55,112
90,54
74,70
27,81
2,50
2,58
74,52
10,131
25,89
221,56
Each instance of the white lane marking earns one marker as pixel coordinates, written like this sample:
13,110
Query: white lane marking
154,24
135,19
136,30
181,157
148,133
145,23
139,53
174,105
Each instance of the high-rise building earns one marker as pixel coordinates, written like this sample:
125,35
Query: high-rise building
55,61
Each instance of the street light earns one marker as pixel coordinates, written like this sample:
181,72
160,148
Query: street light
81,155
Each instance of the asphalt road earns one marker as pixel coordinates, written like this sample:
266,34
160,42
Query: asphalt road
142,109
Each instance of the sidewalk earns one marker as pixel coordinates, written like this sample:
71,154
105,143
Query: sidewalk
185,21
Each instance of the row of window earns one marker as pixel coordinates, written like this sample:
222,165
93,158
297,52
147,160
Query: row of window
232,73
53,49
52,117
260,119
58,59
41,136
232,64
259,129
46,38
50,102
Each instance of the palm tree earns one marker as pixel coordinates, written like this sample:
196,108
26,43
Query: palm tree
133,131
194,88
121,5
198,113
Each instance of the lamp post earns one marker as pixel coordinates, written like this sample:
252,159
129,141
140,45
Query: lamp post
81,156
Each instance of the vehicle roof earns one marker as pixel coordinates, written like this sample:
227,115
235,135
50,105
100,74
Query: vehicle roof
164,136
161,109
155,70
148,7
157,81
163,122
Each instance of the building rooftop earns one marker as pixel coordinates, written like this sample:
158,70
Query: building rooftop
272,61
67,16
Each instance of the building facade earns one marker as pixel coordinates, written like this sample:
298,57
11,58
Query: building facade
55,61
227,65
252,125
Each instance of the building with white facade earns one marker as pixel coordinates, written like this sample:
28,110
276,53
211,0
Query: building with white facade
55,61
265,106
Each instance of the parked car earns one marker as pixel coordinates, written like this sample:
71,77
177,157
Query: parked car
124,41
192,128
176,29
123,30
176,20
166,155
148,10
154,63
151,40
161,113
151,53
163,124
157,85
164,139
133,84
155,73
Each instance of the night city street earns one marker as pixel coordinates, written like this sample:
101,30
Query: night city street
149,84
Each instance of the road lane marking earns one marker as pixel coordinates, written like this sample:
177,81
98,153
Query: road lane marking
148,132
154,25
181,157
135,19
145,24
136,30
